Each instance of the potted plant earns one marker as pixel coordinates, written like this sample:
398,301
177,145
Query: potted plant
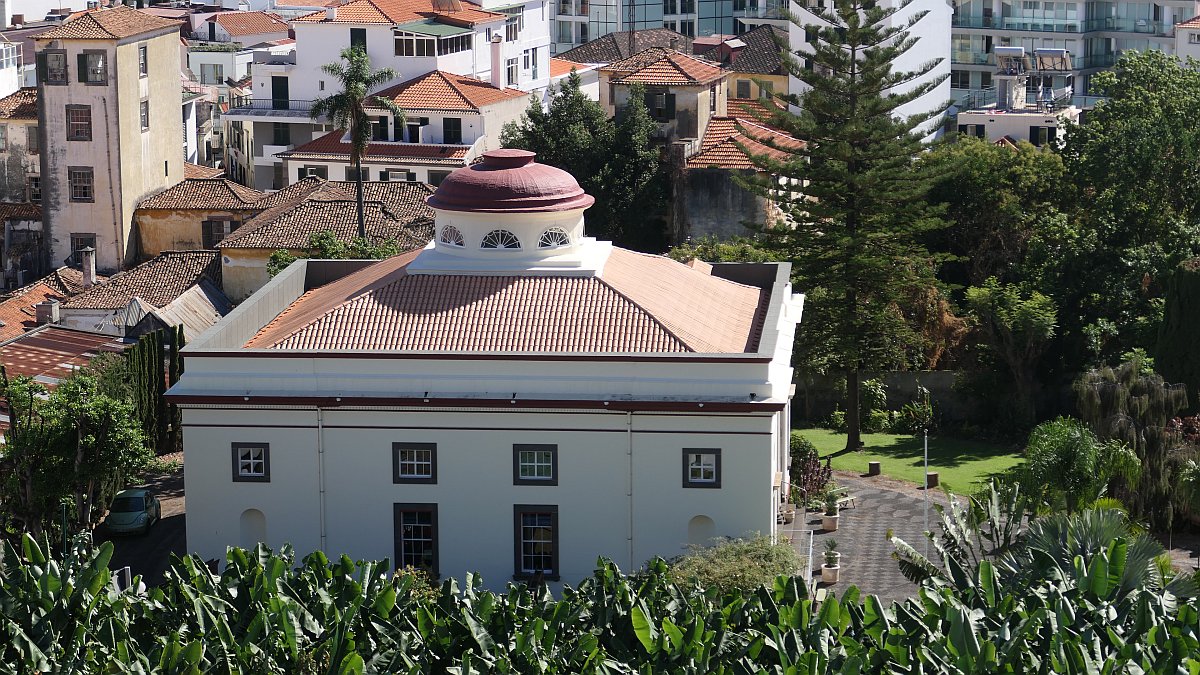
829,521
831,568
789,513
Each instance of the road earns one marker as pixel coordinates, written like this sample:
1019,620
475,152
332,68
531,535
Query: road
149,555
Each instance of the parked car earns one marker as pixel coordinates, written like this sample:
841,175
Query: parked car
132,511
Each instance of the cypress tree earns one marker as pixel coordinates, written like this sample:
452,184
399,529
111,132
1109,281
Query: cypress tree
854,197
1177,356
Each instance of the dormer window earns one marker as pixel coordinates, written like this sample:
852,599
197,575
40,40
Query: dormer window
554,238
501,239
452,237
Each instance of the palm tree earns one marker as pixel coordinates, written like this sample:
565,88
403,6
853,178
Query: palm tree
347,109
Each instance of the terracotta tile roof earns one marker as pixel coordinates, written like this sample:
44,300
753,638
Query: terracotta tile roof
20,105
754,109
198,171
204,193
17,313
762,54
561,67
406,200
157,281
615,46
664,67
725,138
643,303
439,90
238,24
20,211
1193,22
332,147
403,11
51,353
292,226
108,24
300,190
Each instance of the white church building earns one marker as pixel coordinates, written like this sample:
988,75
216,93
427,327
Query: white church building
514,399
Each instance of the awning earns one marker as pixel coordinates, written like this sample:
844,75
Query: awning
432,28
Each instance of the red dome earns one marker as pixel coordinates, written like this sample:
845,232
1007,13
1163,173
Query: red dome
509,181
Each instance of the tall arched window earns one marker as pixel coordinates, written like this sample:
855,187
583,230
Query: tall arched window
500,239
554,237
451,236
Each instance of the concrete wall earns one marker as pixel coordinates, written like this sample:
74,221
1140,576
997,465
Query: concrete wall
713,204
692,108
244,270
16,162
600,511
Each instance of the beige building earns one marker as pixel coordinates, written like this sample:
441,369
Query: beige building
195,214
19,153
111,128
681,91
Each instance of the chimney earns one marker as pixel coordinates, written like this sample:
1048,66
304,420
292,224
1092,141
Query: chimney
46,312
674,43
88,256
497,62
331,13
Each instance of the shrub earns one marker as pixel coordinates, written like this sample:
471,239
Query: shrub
872,396
837,421
877,421
809,476
737,564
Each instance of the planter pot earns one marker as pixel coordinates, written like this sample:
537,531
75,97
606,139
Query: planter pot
830,573
829,523
789,514
832,559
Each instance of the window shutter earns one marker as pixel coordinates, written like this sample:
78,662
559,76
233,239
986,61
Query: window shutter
980,131
40,61
670,106
301,173
649,101
383,175
81,64
207,238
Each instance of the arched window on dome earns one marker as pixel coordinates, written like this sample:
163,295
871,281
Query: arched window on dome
452,237
500,239
554,237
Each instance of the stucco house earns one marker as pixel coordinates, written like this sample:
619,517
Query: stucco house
681,91
516,398
287,220
248,28
197,213
19,147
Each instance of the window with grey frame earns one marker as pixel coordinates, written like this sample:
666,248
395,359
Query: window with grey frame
414,463
33,143
144,114
79,122
251,462
81,181
701,467
52,66
93,67
452,131
213,231
535,464
80,241
143,61
416,537
535,541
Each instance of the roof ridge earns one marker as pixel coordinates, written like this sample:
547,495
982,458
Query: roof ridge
666,329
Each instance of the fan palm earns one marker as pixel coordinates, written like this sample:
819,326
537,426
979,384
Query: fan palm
347,109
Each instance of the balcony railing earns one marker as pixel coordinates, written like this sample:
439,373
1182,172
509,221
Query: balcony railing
1119,25
269,105
1047,25
1096,61
972,58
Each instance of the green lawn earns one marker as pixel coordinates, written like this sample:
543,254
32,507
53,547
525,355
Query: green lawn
960,463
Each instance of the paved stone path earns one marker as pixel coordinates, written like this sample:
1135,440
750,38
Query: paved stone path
862,535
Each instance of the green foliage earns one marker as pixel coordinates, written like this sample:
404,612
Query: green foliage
916,416
615,161
714,250
152,366
350,109
67,451
325,245
1179,335
1017,326
736,564
855,232
1066,466
809,477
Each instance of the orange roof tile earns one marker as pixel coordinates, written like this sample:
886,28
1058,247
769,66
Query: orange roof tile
238,24
331,146
1193,22
108,24
292,227
197,171
403,11
754,109
17,313
643,303
20,105
51,353
204,193
561,67
439,90
725,138
673,68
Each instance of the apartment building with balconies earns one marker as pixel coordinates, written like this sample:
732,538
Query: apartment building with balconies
506,44
577,22
1093,33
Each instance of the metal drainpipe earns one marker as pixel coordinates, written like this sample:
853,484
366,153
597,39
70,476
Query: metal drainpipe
321,472
629,454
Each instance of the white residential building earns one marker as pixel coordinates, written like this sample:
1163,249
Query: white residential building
505,44
247,28
1187,39
514,399
111,132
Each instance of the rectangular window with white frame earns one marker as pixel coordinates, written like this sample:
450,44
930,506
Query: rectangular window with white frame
417,536
79,122
143,61
701,467
3,137
535,464
535,545
34,189
512,71
93,67
81,181
252,462
144,114
414,463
